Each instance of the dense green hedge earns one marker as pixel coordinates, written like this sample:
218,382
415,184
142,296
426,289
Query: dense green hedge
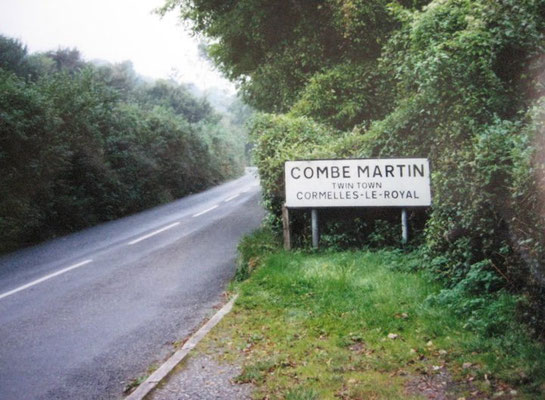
464,85
81,144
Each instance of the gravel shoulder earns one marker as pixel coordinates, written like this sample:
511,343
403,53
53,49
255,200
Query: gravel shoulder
201,376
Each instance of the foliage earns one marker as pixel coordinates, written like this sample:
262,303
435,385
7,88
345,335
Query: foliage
28,159
280,138
460,82
365,324
252,249
81,144
344,96
465,84
170,94
13,55
273,48
66,60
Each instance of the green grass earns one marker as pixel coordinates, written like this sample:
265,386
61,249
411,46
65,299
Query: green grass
359,325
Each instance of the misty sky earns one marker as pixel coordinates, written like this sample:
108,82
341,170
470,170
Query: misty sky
112,30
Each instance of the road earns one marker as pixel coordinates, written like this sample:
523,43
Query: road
83,315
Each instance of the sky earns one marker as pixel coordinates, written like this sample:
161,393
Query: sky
112,30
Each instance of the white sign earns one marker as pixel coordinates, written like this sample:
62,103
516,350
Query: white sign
396,182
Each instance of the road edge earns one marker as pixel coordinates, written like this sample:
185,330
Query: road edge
164,370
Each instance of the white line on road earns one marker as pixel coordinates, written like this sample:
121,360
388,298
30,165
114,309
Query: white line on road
153,233
45,278
231,198
205,211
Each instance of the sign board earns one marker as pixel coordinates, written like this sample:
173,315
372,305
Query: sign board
396,182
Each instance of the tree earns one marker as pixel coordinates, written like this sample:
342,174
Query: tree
273,48
30,156
172,95
13,56
457,81
121,77
66,60
81,144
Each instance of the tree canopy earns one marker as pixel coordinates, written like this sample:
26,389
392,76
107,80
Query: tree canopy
457,81
81,143
273,48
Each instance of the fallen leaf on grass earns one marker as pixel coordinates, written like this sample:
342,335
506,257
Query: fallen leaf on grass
393,336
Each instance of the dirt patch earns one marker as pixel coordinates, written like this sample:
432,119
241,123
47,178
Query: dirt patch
436,385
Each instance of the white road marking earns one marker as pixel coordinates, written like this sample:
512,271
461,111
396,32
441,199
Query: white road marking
231,198
153,233
45,278
205,211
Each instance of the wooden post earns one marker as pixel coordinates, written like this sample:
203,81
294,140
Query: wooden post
286,227
315,229
404,227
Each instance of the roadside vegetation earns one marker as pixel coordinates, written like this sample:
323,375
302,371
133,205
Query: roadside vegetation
457,81
369,324
82,143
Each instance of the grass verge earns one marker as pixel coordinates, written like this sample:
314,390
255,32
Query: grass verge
362,325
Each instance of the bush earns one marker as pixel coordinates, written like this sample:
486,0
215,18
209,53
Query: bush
466,92
80,145
344,96
280,138
251,250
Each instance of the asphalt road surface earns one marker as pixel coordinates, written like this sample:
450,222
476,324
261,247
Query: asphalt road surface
84,315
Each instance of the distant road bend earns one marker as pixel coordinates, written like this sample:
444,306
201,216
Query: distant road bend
81,316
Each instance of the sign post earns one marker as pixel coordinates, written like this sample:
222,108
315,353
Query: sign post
286,227
404,227
315,228
395,182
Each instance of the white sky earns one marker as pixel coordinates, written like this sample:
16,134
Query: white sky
112,30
